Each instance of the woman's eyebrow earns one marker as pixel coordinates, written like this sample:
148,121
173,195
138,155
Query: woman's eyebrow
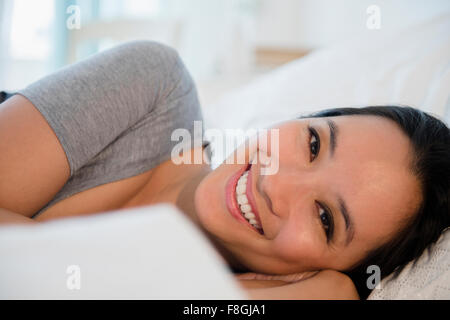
333,136
343,209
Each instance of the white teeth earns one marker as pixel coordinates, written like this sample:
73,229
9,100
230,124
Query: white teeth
242,183
242,199
240,189
242,180
250,216
246,208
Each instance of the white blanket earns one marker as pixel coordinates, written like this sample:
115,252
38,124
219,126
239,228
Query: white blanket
147,253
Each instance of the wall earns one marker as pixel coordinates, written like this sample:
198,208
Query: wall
319,23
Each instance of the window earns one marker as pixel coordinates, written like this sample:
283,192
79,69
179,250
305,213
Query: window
31,23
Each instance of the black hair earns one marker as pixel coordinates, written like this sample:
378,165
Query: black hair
430,163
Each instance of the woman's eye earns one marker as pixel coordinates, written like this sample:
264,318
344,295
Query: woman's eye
327,222
314,144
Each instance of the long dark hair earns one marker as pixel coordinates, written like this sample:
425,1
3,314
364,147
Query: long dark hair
430,139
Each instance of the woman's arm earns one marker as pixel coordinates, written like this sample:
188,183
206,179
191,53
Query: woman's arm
33,166
58,124
325,285
9,218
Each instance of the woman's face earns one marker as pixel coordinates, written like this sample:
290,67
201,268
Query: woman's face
326,206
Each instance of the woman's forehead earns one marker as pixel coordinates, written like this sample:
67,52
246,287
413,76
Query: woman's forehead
371,137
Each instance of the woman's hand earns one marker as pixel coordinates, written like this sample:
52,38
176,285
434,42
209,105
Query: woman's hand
252,280
289,278
322,285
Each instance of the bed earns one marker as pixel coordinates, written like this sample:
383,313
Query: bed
120,256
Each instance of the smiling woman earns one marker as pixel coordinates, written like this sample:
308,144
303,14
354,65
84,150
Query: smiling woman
353,186
331,204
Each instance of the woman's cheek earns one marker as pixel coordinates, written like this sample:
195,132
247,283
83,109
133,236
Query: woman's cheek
297,247
203,200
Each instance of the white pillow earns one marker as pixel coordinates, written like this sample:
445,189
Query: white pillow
146,253
428,279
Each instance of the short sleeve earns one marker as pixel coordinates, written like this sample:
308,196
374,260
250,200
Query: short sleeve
91,103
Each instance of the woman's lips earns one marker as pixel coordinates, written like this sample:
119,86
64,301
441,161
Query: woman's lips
231,201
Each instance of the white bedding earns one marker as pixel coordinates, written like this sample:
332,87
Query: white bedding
429,279
147,253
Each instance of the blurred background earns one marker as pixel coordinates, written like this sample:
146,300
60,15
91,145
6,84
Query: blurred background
224,43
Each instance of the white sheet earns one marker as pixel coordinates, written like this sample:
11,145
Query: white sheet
148,253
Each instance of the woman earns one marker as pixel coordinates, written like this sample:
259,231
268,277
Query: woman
354,187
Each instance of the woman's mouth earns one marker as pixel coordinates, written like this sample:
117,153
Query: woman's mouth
240,200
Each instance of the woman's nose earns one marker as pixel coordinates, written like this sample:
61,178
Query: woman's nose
286,189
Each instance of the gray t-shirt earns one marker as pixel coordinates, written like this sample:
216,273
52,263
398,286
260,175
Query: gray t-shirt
114,113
